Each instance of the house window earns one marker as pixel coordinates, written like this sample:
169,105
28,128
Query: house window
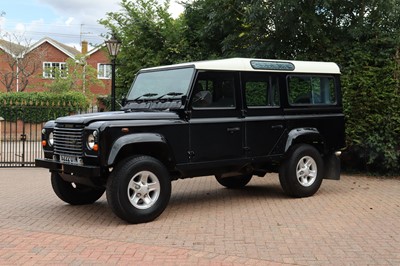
103,71
54,69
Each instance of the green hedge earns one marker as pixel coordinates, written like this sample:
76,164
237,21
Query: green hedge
371,98
37,107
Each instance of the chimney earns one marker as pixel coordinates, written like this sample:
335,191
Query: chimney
84,47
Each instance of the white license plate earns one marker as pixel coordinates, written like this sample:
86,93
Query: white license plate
70,159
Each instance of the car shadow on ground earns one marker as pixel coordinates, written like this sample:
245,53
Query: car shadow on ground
222,194
100,213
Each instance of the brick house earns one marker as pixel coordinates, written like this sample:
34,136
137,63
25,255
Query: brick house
9,55
27,68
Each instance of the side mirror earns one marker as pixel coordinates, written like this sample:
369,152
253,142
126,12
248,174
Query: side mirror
184,99
123,100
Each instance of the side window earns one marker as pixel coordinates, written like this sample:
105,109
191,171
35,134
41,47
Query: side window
261,89
311,90
214,90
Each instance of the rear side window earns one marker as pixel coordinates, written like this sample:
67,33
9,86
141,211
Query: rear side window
261,90
311,90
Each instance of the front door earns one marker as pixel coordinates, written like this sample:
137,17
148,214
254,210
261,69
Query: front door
216,126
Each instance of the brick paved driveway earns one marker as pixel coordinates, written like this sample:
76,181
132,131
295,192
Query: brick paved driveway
355,221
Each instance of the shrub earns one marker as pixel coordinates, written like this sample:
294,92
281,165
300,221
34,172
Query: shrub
371,104
37,107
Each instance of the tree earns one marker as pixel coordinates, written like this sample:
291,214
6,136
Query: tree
362,36
79,77
22,62
371,85
149,35
209,24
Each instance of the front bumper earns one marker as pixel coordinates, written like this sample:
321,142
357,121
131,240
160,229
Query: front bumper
71,169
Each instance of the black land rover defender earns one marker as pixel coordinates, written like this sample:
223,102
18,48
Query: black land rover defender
231,118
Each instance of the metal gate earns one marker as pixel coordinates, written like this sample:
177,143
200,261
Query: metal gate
20,132
20,140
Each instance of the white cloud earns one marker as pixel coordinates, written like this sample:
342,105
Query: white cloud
69,21
90,11
86,12
82,16
175,9
2,22
20,27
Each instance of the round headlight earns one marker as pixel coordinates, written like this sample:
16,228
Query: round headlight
90,141
51,139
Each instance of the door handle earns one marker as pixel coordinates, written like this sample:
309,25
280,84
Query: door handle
277,127
233,129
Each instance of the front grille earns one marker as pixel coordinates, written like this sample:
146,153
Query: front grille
68,140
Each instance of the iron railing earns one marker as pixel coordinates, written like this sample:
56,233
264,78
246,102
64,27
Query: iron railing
20,137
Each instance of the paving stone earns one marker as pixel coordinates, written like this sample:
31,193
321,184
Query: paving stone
354,221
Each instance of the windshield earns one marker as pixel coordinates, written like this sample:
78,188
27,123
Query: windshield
161,84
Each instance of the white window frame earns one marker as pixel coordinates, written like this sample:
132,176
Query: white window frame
62,66
103,71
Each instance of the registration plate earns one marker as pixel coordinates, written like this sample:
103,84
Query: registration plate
71,159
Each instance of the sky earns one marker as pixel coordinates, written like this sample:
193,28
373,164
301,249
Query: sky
68,22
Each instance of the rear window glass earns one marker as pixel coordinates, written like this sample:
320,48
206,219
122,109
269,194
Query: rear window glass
310,90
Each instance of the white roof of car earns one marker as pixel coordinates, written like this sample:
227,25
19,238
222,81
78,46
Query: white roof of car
253,64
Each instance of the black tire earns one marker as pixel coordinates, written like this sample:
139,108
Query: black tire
234,182
301,173
139,189
74,194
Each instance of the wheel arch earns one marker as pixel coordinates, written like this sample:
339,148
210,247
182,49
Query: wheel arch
309,136
151,144
312,136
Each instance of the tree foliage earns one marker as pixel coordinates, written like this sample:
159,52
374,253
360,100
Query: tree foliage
362,36
149,35
79,78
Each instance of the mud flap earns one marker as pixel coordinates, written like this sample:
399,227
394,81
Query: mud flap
332,167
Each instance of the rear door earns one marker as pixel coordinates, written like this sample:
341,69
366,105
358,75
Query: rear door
264,121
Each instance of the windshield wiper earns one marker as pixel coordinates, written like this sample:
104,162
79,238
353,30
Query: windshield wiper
145,95
170,94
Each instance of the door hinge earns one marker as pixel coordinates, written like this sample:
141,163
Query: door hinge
191,155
